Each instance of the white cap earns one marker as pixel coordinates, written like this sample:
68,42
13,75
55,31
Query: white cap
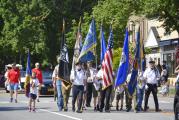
37,64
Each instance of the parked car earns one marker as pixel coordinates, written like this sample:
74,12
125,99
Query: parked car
47,86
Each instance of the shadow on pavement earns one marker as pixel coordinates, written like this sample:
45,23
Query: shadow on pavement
18,108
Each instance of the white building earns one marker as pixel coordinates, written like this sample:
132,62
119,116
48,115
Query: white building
163,45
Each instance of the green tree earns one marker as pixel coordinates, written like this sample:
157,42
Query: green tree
165,10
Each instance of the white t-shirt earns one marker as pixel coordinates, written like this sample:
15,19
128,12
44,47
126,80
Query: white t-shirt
92,74
34,89
97,83
78,77
151,76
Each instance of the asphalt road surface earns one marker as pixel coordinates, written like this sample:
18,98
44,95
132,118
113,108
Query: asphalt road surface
47,110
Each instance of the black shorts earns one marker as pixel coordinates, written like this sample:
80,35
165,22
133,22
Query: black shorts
119,96
33,96
95,92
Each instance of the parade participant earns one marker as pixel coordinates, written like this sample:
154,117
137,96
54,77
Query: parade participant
140,91
78,80
119,96
95,89
89,85
151,75
54,86
104,94
66,88
127,95
113,91
84,68
58,83
98,87
14,79
34,82
38,73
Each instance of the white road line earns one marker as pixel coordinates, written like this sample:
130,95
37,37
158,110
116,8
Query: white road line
74,118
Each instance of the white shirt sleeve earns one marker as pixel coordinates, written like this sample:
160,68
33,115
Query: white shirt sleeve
99,74
145,73
72,76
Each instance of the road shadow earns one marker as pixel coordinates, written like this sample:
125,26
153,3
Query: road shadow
18,108
12,108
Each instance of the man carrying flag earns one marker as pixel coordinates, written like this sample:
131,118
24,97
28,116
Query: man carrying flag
140,79
28,76
61,74
106,75
133,76
123,70
124,63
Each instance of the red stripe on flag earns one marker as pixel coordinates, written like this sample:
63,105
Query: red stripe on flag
107,69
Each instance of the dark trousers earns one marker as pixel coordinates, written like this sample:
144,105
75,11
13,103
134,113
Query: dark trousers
77,91
151,88
89,88
105,94
128,100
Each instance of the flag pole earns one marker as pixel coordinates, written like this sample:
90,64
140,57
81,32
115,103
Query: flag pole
94,41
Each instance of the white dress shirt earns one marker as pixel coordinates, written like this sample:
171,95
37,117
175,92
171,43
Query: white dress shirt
78,77
151,75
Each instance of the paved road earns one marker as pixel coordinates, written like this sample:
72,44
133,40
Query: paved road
47,110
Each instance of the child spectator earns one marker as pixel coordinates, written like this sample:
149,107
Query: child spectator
34,83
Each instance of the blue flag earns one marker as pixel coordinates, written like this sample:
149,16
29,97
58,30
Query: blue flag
88,50
136,63
124,63
28,68
28,76
103,45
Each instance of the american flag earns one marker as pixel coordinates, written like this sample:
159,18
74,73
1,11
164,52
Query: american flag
107,63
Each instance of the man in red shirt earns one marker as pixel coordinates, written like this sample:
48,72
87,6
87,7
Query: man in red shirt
38,73
14,80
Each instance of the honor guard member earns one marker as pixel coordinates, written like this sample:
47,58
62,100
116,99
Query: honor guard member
58,83
151,75
78,80
104,94
66,88
89,86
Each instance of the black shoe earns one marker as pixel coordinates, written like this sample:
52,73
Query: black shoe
146,108
121,109
158,110
95,109
117,108
100,110
128,109
87,105
108,111
73,109
79,111
65,109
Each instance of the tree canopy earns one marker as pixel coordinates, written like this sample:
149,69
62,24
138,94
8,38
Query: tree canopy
37,24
